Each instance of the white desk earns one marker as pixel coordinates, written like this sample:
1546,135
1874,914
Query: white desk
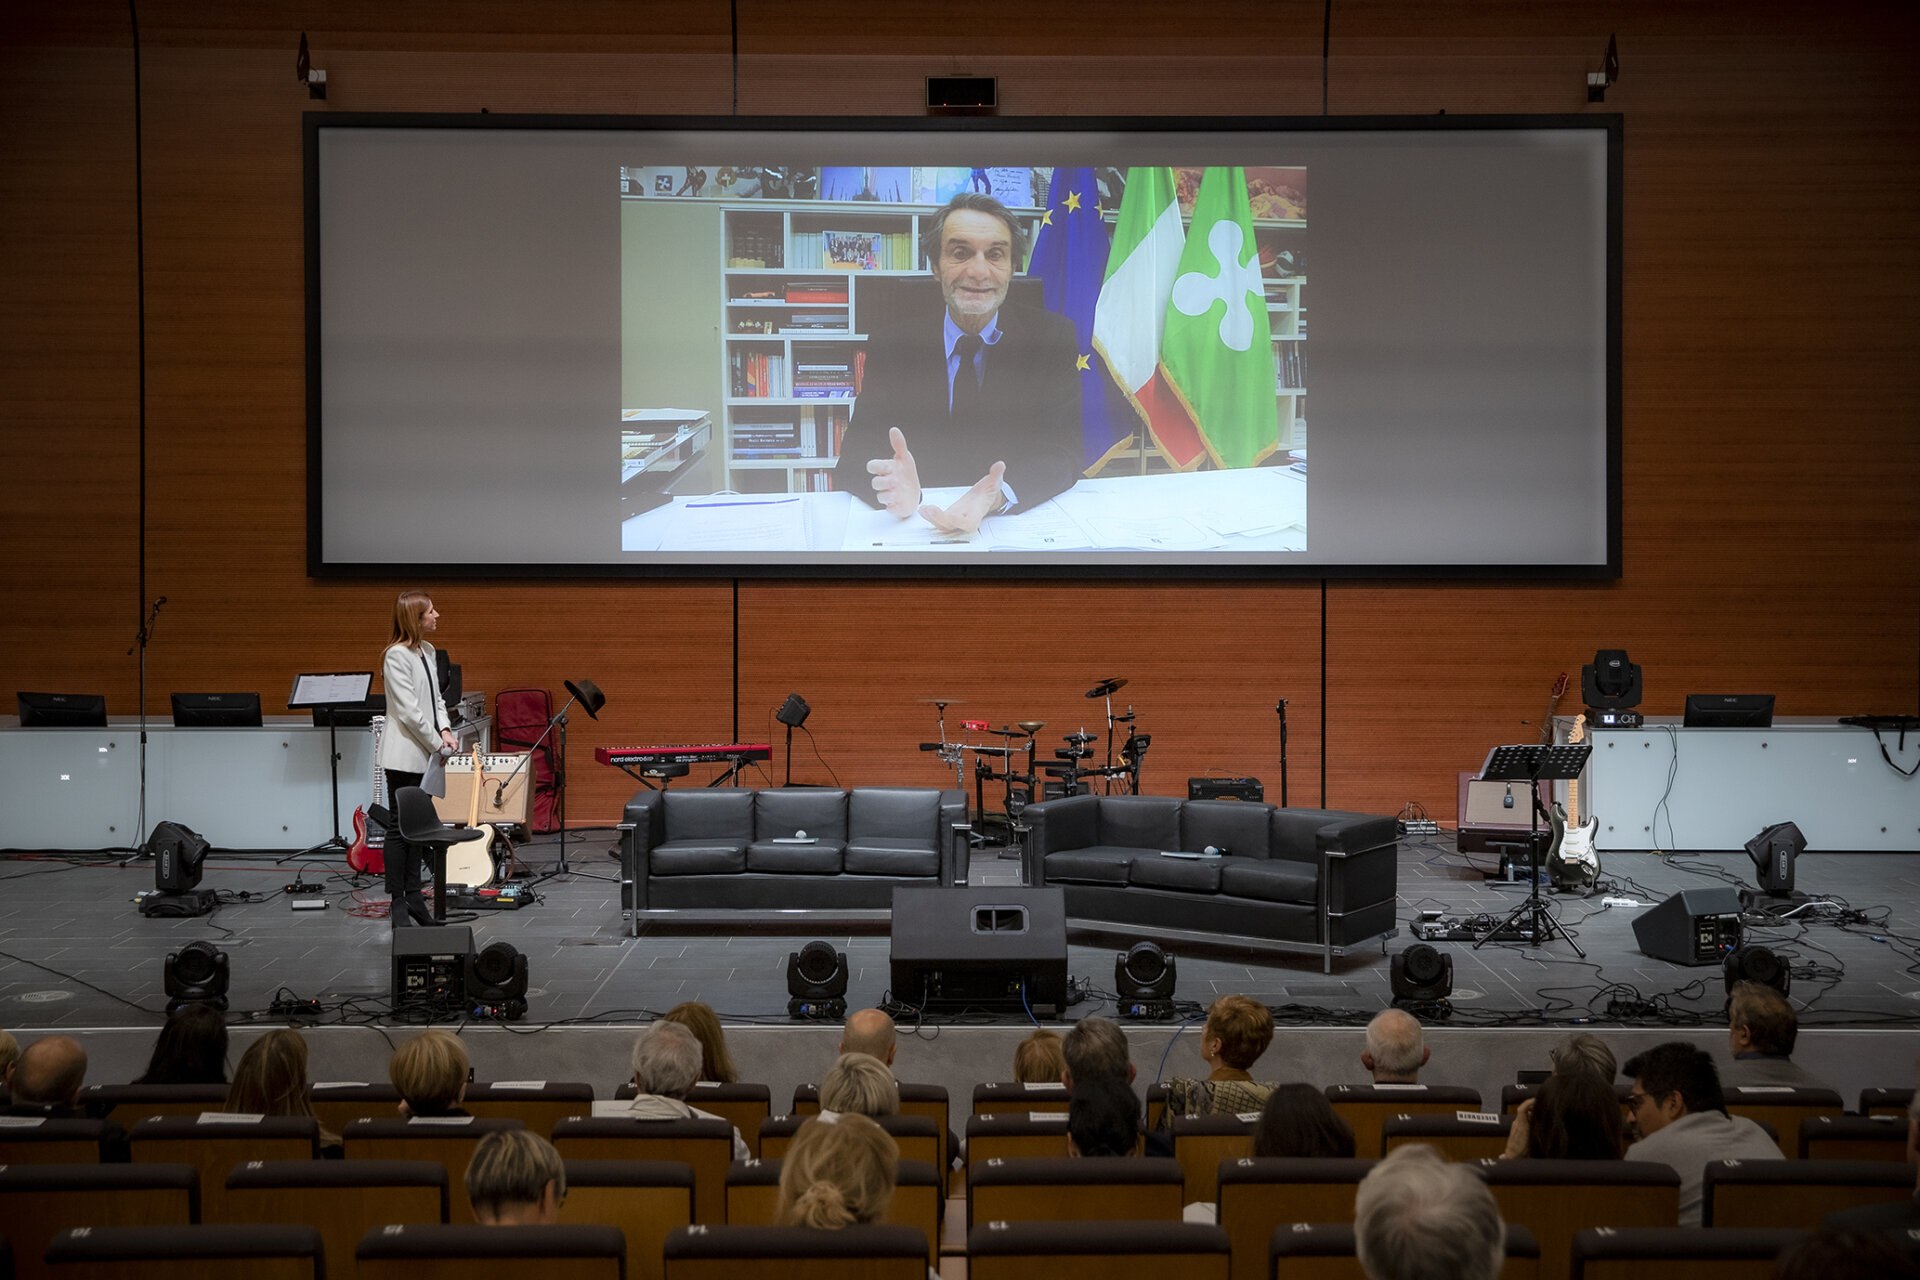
1729,784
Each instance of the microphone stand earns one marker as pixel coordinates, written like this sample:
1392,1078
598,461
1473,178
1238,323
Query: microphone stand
500,790
141,639
1281,709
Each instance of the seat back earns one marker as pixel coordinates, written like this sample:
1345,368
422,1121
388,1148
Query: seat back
338,1105
1256,1193
929,1100
489,1253
1066,1190
128,1104
1555,1198
821,812
419,821
708,813
1200,1143
1326,1251
705,1146
1647,1253
32,1140
1885,1102
1015,1135
894,813
1140,822
882,1251
645,1199
1235,826
1854,1138
215,1147
1464,1135
39,1201
743,1105
1011,1096
753,1199
1782,1108
1096,1251
538,1104
222,1252
1365,1107
341,1199
447,1142
1795,1193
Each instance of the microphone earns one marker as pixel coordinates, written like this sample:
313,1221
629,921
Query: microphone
931,746
1214,851
157,603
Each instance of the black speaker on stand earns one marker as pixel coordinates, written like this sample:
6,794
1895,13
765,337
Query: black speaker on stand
987,948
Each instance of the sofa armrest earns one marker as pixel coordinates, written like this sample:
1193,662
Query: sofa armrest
641,825
1361,879
1071,822
954,835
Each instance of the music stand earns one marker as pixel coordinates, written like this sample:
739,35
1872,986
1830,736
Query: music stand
1534,764
327,690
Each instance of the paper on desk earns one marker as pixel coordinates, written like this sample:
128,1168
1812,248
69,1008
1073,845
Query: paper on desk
1249,509
1145,530
727,523
1045,528
869,527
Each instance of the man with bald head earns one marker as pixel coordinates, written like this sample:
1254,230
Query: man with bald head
1394,1052
870,1031
45,1082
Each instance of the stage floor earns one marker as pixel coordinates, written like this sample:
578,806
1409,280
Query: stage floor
75,953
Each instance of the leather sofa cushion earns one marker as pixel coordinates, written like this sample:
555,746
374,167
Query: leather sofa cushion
1140,822
818,811
1273,880
697,858
821,859
878,817
1301,834
905,858
1232,826
1102,864
1197,875
713,815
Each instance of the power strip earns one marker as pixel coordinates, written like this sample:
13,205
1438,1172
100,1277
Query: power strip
1419,827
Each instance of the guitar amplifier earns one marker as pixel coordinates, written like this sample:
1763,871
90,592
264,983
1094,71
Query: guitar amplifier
1495,811
1248,789
496,769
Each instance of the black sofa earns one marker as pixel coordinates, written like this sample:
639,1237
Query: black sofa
732,848
1306,879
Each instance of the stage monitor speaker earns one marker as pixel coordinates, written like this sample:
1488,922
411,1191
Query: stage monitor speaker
1215,788
1694,926
430,966
989,948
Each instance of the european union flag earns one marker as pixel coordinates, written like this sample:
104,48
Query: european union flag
1070,260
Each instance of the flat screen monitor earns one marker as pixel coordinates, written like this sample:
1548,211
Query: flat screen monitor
1729,711
216,710
734,345
62,710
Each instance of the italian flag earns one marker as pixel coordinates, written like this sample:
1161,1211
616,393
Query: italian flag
1131,315
1217,352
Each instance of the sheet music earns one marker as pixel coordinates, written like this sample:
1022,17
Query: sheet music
331,689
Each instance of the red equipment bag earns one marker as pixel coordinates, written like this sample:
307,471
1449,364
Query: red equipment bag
519,718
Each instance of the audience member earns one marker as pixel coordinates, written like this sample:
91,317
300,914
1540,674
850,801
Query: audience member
1889,1215
1419,1217
1037,1060
516,1179
839,1172
1394,1052
9,1054
1681,1117
1299,1123
1584,1051
1237,1032
47,1077
1828,1254
431,1072
860,1084
1094,1047
869,1031
1103,1118
1761,1031
666,1064
716,1064
190,1049
1575,1116
271,1080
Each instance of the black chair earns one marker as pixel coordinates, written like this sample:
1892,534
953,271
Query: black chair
437,1252
191,1253
1628,1252
420,824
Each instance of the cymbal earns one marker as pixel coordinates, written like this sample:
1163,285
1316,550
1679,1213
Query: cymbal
1107,687
942,702
1002,733
1031,726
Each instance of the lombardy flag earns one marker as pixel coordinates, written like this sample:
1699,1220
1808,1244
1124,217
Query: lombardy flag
1217,352
1132,315
1070,259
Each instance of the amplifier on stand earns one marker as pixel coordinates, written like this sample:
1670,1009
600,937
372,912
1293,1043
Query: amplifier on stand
496,769
1248,789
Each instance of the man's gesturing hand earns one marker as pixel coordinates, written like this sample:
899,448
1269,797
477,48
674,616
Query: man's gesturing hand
896,480
973,506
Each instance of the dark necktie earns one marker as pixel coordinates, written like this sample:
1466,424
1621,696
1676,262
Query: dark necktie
966,389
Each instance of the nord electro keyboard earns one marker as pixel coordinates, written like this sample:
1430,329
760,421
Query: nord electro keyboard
673,761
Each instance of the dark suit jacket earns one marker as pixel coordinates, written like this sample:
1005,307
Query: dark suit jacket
1030,401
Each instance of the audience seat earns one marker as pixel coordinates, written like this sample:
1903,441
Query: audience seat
448,1143
882,1251
128,1104
745,1105
1655,1253
1096,1251
1512,1095
338,1105
1464,1135
1555,1198
1256,1193
538,1104
39,1201
1885,1102
32,1140
753,1198
1009,1135
491,1253
1016,1097
929,1100
1156,1105
1326,1251
919,1139
1200,1143
1044,1190
1367,1106
1782,1108
216,1146
342,1199
1795,1193
223,1252
705,1146
1854,1138
645,1199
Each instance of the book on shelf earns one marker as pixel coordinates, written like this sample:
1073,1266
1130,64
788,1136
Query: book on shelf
757,374
817,291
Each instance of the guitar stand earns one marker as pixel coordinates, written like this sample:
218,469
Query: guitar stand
1533,765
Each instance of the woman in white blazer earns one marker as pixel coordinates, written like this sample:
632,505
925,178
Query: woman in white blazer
417,728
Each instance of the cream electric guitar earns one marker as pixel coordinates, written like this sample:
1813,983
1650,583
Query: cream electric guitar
470,862
1574,864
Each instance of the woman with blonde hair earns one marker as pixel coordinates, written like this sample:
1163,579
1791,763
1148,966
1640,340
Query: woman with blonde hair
431,1071
860,1084
417,728
1238,1031
1038,1060
839,1172
271,1080
716,1064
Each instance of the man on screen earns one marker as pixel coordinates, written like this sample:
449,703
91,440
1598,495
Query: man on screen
988,397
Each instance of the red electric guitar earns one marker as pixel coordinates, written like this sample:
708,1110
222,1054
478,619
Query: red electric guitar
367,854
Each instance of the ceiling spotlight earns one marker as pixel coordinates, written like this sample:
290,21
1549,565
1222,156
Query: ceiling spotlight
196,974
817,983
1421,975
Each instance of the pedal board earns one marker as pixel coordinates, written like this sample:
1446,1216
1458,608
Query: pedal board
508,897
1432,927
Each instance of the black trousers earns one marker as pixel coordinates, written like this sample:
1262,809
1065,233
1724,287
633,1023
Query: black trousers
406,864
